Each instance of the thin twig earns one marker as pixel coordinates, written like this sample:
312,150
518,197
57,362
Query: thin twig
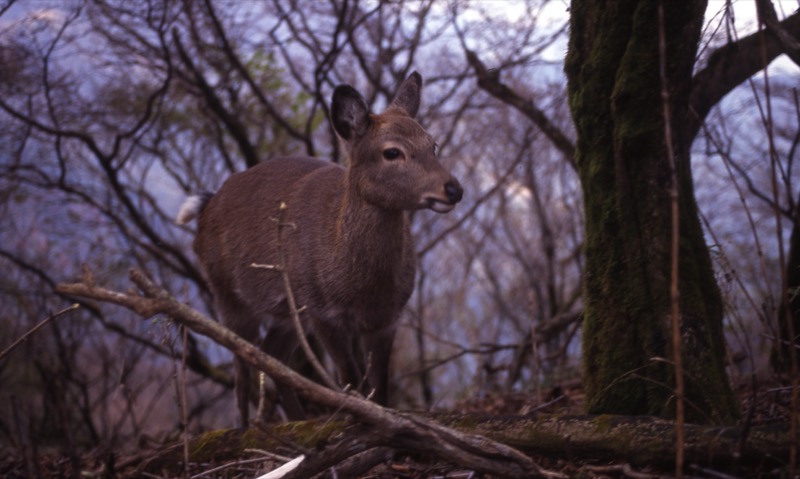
269,454
293,309
184,401
766,17
711,472
625,469
33,330
240,462
180,391
674,289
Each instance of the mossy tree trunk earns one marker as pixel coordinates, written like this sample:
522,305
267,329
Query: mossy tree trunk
614,89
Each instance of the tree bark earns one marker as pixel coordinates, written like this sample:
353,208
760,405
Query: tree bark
614,93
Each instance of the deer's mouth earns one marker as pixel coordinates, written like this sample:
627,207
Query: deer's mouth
439,205
445,201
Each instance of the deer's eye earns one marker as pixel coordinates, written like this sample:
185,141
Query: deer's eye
392,153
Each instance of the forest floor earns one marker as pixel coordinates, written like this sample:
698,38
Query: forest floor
770,403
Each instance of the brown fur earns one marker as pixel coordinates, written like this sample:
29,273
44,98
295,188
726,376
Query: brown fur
350,255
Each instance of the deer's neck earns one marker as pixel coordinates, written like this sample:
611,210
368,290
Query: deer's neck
373,243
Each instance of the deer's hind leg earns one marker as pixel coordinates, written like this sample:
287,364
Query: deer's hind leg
237,318
281,343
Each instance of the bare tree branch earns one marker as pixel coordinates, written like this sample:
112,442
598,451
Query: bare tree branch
729,66
235,127
257,91
489,80
789,41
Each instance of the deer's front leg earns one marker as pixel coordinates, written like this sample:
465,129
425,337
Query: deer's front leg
378,352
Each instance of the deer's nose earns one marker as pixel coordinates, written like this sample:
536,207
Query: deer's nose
453,191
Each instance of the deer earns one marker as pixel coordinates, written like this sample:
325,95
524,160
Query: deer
349,252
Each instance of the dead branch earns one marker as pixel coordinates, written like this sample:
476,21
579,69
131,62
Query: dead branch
411,432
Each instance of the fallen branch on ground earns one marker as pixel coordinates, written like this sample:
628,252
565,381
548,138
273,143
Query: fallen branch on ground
640,441
392,428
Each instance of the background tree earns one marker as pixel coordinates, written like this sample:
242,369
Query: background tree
622,158
625,176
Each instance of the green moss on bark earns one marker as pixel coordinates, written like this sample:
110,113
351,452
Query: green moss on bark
615,99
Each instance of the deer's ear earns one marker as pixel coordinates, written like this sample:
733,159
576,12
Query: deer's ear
349,113
408,96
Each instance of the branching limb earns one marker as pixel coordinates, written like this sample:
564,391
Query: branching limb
729,66
788,40
489,81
